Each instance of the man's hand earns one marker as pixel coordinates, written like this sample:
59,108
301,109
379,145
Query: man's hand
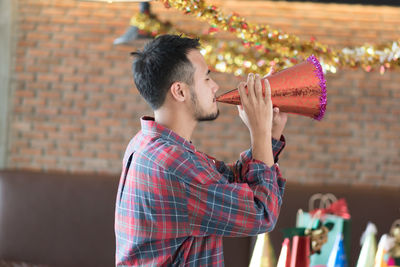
278,123
256,112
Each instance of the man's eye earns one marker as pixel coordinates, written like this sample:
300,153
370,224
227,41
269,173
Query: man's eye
207,79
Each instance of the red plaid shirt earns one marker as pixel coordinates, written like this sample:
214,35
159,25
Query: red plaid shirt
175,204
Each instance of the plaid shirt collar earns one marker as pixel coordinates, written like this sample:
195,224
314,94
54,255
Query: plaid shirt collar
154,129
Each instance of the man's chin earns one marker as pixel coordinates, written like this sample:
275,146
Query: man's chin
209,117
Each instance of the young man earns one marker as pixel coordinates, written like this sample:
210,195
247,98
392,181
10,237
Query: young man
175,203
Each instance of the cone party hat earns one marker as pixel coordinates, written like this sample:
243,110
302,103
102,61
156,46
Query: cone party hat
300,89
382,254
263,253
368,249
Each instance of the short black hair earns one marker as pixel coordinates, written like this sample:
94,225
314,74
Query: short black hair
162,62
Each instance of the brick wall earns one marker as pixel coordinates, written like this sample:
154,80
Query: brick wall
75,108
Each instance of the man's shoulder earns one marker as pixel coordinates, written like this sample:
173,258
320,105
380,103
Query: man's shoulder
159,151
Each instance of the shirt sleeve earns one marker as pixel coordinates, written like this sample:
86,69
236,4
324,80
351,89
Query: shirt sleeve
233,171
217,207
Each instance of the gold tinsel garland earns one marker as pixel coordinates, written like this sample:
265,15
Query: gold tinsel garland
223,56
261,45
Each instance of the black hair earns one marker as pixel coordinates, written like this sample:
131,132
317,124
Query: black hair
162,62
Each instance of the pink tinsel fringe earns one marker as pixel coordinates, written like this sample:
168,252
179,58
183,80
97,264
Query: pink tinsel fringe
322,82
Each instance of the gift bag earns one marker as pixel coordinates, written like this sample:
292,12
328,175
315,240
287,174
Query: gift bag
284,256
299,253
330,210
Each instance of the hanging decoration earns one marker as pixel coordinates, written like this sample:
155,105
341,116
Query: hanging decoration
262,47
221,55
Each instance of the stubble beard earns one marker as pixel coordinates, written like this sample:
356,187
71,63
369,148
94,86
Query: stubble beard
200,114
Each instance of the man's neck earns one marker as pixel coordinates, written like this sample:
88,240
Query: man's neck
179,122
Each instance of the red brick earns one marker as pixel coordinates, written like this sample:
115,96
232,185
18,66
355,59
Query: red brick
71,111
77,96
95,146
37,68
53,11
99,97
20,160
73,78
27,27
47,111
70,128
43,145
45,127
64,4
36,36
110,122
22,109
24,76
101,46
48,28
108,155
72,29
63,20
114,90
100,30
44,162
62,69
30,151
97,113
32,19
38,52
82,154
63,37
52,45
58,153
22,126
79,12
85,21
99,79
90,5
105,14
35,102
48,77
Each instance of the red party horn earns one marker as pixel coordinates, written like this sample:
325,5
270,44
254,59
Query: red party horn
300,89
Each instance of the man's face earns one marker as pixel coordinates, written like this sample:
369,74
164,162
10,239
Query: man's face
203,89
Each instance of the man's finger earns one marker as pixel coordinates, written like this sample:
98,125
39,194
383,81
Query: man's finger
267,90
258,88
242,93
250,88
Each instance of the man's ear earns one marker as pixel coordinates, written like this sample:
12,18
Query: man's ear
179,91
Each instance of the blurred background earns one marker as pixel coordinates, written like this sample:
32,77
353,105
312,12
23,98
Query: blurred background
68,103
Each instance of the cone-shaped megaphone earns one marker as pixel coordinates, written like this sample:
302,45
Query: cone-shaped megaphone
300,89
